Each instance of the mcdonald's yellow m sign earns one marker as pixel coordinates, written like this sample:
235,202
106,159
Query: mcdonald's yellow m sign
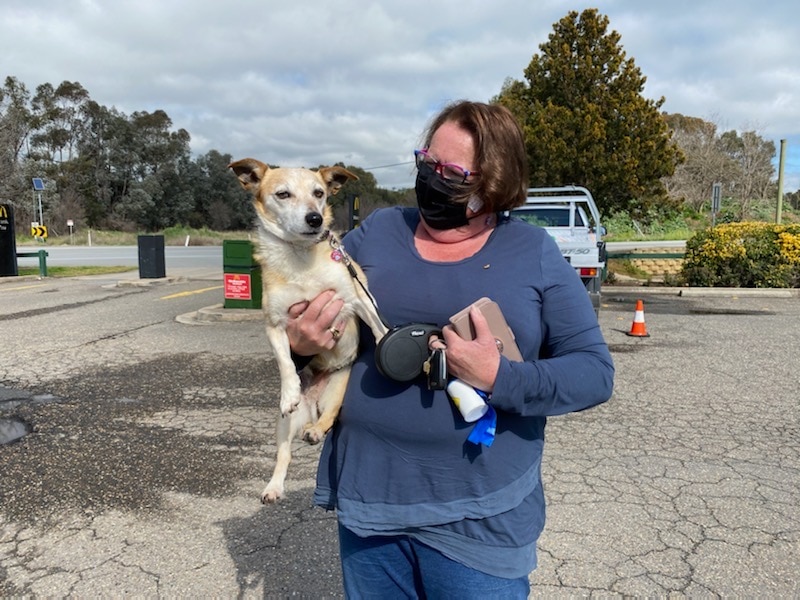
3,211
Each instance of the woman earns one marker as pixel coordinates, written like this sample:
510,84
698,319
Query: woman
422,511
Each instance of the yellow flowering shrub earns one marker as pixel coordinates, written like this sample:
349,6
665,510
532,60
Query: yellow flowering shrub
747,254
790,247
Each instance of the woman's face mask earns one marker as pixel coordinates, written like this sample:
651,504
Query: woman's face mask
434,198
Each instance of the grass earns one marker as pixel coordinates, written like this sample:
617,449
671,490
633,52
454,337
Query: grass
174,236
75,271
625,267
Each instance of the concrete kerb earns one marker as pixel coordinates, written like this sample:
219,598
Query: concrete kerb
216,313
698,292
742,292
18,278
149,282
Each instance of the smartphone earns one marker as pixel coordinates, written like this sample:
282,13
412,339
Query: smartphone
497,323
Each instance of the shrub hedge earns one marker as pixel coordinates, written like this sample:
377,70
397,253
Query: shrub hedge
747,254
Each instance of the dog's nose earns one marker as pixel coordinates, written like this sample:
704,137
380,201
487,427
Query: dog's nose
314,219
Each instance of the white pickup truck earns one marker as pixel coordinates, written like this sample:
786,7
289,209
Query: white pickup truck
570,216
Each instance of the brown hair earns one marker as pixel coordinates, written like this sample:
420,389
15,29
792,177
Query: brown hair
500,155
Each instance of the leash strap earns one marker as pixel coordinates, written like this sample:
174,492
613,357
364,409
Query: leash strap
339,254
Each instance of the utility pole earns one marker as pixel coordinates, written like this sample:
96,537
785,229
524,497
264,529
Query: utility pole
780,182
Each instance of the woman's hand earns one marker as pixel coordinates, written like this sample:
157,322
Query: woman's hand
313,326
475,362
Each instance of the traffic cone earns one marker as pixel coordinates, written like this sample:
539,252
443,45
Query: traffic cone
638,328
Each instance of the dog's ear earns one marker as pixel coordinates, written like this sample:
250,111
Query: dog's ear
249,171
335,178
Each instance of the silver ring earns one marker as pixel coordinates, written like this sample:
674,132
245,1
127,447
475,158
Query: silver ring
335,333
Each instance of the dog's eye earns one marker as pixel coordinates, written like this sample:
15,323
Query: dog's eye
282,195
319,194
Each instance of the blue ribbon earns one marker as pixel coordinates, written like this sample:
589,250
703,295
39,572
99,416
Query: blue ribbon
485,428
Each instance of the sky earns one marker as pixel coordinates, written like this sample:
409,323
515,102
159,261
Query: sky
315,82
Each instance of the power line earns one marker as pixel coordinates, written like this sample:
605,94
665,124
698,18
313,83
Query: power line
411,162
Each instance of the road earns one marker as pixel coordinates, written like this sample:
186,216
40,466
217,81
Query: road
175,257
206,257
152,439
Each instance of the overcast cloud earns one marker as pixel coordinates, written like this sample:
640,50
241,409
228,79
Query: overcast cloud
315,82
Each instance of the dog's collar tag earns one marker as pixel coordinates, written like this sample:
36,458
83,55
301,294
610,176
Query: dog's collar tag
337,252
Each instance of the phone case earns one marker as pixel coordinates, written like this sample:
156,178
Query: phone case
497,323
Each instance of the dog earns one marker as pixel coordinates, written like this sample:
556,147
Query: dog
300,258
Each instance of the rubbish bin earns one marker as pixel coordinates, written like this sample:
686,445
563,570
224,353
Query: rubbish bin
241,275
8,243
151,257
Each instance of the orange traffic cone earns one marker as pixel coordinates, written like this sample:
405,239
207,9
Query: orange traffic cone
638,328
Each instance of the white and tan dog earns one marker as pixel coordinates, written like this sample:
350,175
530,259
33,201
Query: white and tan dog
298,261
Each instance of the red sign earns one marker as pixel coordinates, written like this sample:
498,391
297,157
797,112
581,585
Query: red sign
237,286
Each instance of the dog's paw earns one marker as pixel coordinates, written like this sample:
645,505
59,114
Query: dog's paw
271,493
288,407
313,435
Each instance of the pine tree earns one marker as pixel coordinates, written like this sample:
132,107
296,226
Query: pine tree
585,119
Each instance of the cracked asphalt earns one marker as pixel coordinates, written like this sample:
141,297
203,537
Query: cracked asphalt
151,420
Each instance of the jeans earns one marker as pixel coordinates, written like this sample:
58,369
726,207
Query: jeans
389,567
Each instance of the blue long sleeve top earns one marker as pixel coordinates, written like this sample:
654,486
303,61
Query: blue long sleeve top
398,461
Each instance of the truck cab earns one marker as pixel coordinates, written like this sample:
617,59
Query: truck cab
569,214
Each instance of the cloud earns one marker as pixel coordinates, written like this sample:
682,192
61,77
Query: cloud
318,82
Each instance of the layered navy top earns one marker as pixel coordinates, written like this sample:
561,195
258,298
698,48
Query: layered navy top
398,461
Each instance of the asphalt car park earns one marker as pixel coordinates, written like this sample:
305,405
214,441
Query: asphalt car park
148,438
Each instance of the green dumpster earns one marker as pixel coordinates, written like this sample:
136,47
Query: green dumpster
241,275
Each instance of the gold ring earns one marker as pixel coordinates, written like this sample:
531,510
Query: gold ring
335,333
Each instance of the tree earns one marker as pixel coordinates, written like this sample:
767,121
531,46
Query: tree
57,113
704,165
369,196
15,129
741,163
219,200
105,169
793,199
585,120
753,176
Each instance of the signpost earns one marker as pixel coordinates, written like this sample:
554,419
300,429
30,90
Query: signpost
716,197
38,188
38,231
354,203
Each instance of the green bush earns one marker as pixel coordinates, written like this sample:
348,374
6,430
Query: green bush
747,254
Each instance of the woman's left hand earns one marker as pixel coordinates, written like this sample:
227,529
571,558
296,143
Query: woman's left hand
475,362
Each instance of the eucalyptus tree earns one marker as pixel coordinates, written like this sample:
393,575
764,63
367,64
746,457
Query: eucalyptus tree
219,200
15,128
705,163
754,172
57,119
740,162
